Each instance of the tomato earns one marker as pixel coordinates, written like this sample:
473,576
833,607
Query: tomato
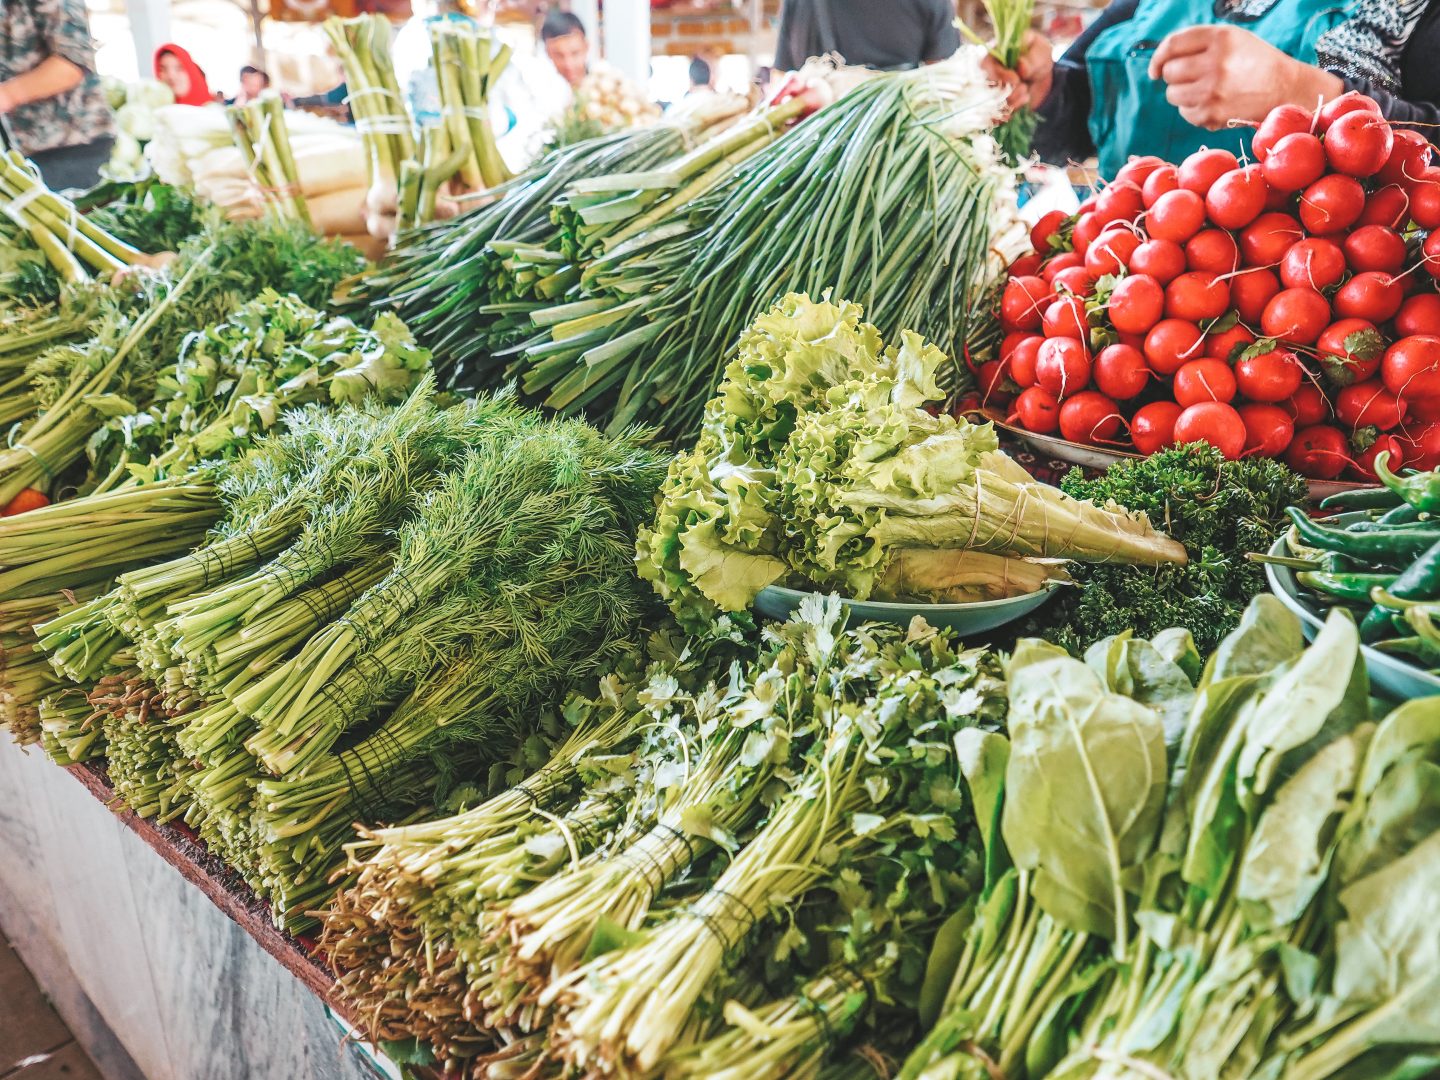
1089,417
1431,252
1266,239
1308,406
1295,162
1200,170
1224,344
1204,380
1409,154
1197,296
27,499
1164,178
1136,304
1350,101
1369,404
1320,452
1022,359
994,382
1170,343
1349,351
1065,317
1383,444
1279,122
1419,314
1087,228
1120,201
1065,260
1152,428
1023,302
1422,447
1370,295
1038,410
1424,192
1176,215
1270,377
1062,366
1411,367
1332,203
1358,143
1312,264
1212,249
1237,198
1110,252
1268,429
1295,315
1046,230
1251,291
1120,372
1375,247
1213,422
1390,206
1138,169
1164,260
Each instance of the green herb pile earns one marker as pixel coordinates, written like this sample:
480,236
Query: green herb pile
1220,510
150,215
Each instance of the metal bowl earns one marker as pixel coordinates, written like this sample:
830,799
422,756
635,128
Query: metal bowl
778,602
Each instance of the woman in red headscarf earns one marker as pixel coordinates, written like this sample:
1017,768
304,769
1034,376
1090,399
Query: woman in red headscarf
175,68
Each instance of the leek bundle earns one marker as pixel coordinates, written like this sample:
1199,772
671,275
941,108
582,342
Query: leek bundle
264,143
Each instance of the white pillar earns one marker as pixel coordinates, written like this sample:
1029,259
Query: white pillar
588,12
150,28
627,38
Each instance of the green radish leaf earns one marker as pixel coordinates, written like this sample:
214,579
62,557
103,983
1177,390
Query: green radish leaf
1260,347
1364,344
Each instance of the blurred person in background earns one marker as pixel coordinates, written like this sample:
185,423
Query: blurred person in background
891,36
702,79
253,83
50,95
567,46
176,69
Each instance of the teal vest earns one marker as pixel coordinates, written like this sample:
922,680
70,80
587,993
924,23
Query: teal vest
1129,113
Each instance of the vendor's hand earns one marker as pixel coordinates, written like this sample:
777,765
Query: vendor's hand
1215,74
1030,81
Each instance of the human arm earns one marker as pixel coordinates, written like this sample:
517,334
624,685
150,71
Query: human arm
1064,109
53,75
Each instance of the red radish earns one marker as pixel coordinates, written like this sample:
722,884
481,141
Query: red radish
1038,410
1214,250
1251,291
1164,260
1351,101
1237,198
1431,252
1138,169
1135,341
1295,162
1120,201
1110,252
1164,178
1295,315
1200,170
1224,344
1369,404
1009,341
1424,192
1409,154
1197,296
1268,429
1383,444
1332,203
1320,452
1075,280
1087,228
1063,261
1375,247
994,381
1358,143
1265,240
1023,302
1152,428
1022,360
1176,215
1045,235
1087,206
1312,264
1308,406
1370,295
1026,265
1213,422
1170,343
1412,367
1423,410
1136,304
1204,380
1279,122
1390,206
25,500
1349,351
1062,366
1065,317
1120,372
1269,377
1422,447
1419,314
1089,417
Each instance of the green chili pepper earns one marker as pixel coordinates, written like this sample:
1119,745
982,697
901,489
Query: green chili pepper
1420,490
1393,547
1424,650
1380,525
1421,619
1419,581
1372,498
1352,587
1400,515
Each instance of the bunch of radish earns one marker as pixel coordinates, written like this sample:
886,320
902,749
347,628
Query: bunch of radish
1285,307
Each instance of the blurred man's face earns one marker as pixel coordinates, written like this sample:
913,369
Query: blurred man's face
252,84
569,53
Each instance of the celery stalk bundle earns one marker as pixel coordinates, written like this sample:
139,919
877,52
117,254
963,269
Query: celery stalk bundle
263,140
74,246
468,63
